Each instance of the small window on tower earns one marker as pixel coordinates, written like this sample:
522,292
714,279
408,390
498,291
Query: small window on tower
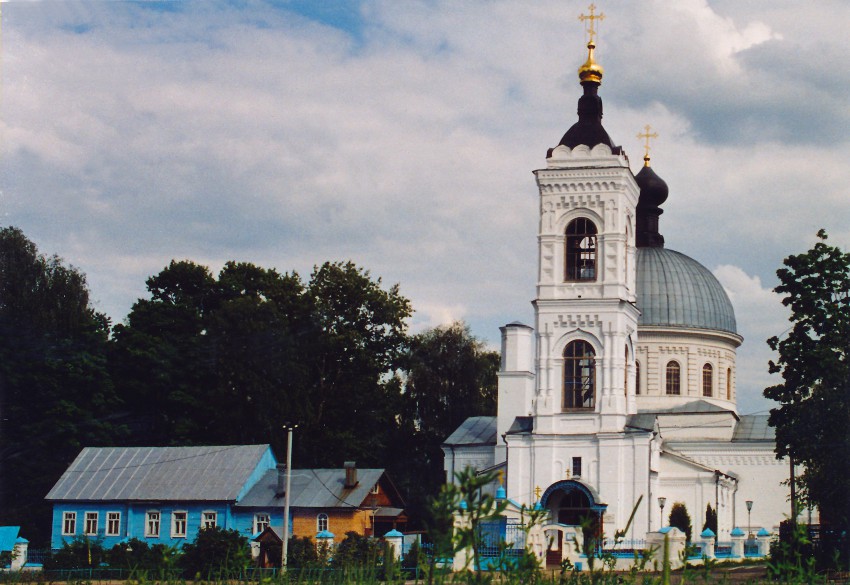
576,466
581,250
707,379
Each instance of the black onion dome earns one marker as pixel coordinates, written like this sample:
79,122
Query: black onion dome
588,130
653,189
653,192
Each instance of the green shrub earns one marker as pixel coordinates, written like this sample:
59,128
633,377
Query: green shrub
356,551
216,552
680,518
710,519
137,555
80,553
302,553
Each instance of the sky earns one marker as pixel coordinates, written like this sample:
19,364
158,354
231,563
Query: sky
402,135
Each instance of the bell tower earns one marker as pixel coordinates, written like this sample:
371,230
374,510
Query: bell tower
585,314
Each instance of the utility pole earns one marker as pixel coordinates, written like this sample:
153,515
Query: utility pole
285,547
793,483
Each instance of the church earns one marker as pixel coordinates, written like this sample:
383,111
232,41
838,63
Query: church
621,398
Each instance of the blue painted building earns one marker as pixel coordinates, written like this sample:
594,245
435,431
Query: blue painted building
162,495
165,495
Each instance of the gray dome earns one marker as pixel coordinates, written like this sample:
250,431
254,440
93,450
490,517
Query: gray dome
674,290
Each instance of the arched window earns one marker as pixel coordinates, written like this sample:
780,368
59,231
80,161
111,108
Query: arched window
626,374
581,250
728,383
707,379
674,380
579,375
637,377
321,522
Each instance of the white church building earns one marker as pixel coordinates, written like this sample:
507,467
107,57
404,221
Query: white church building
624,389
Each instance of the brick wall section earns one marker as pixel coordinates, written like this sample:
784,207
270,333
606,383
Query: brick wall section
339,522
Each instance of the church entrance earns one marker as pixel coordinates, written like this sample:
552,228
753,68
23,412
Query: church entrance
574,508
571,503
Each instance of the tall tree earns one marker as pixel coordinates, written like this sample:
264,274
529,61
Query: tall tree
450,376
230,359
55,392
813,419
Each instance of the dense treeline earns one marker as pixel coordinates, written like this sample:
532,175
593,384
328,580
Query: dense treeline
224,359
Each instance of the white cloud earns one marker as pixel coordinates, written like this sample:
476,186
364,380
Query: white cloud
760,315
213,132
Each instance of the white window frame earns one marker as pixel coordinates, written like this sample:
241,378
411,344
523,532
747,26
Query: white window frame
209,519
69,519
113,523
375,491
149,521
175,533
321,519
89,518
261,521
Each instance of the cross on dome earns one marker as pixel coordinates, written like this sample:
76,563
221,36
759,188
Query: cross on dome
590,30
646,136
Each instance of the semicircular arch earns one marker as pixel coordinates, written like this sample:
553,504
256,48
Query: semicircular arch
565,219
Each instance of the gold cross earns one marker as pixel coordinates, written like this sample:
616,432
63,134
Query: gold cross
501,477
591,31
567,473
537,492
646,135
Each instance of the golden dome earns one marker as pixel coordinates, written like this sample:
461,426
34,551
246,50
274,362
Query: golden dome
591,70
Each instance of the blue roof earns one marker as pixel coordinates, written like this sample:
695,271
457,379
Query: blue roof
708,533
674,290
325,534
8,536
393,534
737,532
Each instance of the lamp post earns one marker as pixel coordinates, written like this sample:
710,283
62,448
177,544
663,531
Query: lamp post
749,523
285,547
661,501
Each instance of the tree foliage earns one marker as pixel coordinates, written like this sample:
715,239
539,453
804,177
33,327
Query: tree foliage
449,376
710,519
681,519
56,395
228,360
216,552
814,361
225,358
79,553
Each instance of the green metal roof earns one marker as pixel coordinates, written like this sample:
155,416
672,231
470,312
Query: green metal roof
674,290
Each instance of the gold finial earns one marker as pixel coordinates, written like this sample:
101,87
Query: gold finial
591,70
646,135
501,477
567,472
591,31
537,492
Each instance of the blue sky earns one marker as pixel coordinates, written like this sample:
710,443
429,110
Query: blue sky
402,135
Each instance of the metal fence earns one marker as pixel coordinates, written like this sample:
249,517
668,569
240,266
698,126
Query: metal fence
723,550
